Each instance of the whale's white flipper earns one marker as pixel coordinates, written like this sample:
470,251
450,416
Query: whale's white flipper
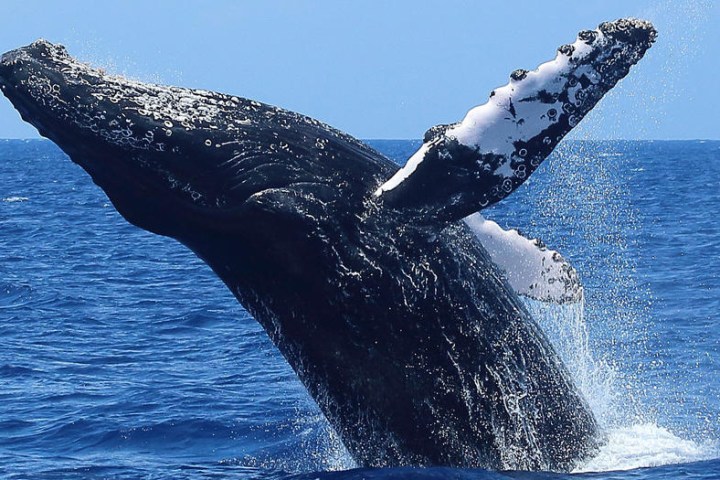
467,166
531,268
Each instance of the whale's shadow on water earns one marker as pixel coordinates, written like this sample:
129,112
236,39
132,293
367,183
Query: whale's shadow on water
402,320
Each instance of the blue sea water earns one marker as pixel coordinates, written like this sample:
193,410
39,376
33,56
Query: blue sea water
123,356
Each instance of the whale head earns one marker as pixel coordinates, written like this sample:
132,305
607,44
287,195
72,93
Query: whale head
176,161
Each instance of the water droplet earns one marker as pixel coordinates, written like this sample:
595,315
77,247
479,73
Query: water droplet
208,143
168,132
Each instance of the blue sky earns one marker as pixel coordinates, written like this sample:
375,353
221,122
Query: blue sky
384,69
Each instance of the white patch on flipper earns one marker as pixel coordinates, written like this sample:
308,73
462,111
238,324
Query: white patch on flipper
525,119
405,171
532,269
491,127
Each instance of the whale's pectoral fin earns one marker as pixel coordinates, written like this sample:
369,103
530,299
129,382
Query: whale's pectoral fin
464,167
531,269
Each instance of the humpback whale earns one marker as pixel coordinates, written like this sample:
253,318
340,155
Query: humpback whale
393,300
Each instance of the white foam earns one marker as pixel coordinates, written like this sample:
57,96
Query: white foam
646,445
15,199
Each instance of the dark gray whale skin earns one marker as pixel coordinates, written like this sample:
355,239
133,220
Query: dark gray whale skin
405,333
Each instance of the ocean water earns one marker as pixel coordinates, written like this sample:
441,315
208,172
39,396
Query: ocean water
122,356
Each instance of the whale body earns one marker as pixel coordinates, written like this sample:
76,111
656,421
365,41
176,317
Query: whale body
408,334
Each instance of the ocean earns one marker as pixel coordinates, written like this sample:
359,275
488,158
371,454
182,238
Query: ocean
123,356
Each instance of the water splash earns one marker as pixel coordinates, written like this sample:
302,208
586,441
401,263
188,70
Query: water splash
566,328
604,340
604,347
641,105
587,208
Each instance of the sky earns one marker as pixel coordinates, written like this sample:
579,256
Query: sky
384,69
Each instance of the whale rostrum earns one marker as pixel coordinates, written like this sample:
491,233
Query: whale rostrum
399,315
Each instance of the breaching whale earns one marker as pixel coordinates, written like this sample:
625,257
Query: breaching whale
398,313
